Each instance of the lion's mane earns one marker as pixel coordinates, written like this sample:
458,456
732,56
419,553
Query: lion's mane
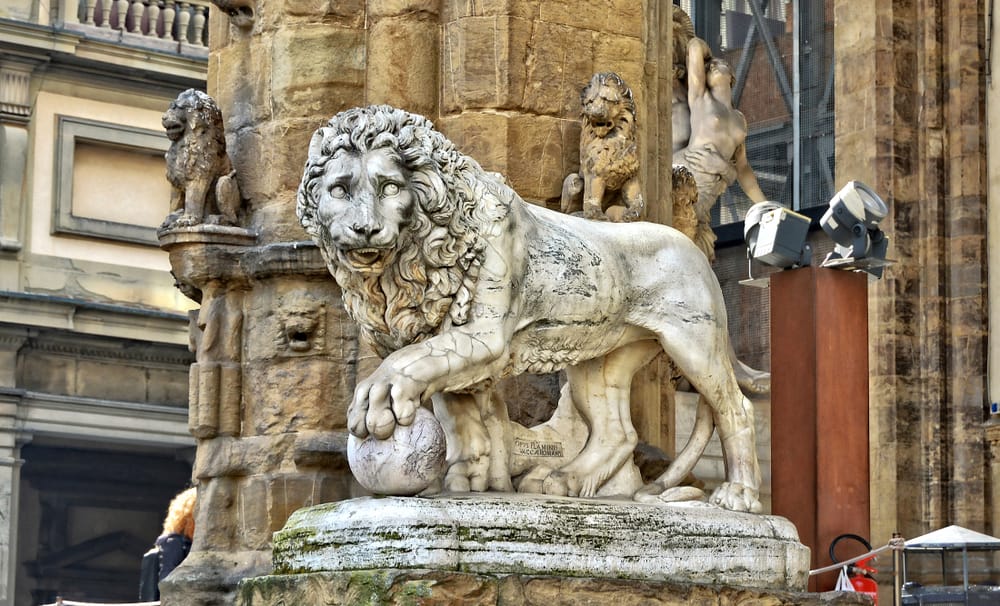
432,276
201,151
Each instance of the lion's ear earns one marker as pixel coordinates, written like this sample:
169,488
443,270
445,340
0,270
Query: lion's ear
316,143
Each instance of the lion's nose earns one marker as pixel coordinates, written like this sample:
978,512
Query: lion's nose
366,229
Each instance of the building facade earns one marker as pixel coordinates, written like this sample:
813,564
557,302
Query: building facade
93,335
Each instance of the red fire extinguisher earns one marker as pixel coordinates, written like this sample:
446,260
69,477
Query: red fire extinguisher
861,573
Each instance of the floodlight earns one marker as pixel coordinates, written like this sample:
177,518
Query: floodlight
852,222
776,236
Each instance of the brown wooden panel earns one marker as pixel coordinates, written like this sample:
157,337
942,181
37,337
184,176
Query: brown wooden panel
819,400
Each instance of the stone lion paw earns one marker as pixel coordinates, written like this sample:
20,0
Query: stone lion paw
381,401
737,497
187,220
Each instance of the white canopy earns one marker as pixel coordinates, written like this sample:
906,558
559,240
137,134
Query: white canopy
954,537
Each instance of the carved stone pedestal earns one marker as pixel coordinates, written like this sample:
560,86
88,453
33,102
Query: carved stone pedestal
275,367
517,550
530,534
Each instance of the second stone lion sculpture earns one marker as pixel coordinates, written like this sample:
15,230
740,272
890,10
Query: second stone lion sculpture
457,282
202,179
609,156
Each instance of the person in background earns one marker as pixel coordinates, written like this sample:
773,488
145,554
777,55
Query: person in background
171,547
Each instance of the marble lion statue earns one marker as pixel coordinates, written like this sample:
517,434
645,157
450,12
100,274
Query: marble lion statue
609,160
457,282
202,179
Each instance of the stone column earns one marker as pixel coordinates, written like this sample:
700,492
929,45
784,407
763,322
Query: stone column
10,461
910,76
276,353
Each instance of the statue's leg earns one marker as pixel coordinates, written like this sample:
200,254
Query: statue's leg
601,389
468,442
632,196
698,349
194,202
593,196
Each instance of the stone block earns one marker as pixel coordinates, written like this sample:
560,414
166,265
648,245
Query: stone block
224,456
317,70
110,381
482,135
378,9
297,394
623,17
283,13
49,373
254,529
456,9
534,153
240,81
299,319
484,62
623,55
215,517
337,485
288,493
277,152
542,151
324,449
560,63
168,387
402,60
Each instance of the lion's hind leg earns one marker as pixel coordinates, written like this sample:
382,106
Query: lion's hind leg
469,425
708,369
601,389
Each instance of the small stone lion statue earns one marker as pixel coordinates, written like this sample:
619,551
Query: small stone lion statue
609,162
203,181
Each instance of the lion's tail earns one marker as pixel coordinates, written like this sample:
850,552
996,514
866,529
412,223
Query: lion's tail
572,187
704,426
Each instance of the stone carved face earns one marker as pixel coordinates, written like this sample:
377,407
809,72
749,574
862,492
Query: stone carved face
301,320
364,204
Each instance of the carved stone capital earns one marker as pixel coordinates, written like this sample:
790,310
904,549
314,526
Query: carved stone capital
15,89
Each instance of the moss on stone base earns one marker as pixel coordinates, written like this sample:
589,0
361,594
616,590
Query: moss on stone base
442,588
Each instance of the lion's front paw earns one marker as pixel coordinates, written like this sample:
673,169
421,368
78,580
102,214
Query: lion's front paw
187,220
737,497
380,402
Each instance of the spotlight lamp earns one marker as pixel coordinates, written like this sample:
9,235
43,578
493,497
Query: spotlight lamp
852,223
776,236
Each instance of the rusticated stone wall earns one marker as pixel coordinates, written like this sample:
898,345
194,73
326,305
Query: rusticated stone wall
910,122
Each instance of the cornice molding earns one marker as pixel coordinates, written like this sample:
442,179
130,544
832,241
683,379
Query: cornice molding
99,319
77,46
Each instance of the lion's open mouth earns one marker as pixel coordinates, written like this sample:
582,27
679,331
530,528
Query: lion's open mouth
174,130
366,259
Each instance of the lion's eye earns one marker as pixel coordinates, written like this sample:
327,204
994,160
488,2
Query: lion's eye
338,191
390,189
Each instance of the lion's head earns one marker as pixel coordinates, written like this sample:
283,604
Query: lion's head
398,213
193,111
607,104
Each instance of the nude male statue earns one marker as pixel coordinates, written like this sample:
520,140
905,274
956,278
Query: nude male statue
716,151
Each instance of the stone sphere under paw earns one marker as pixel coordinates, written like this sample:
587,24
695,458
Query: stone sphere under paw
406,463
